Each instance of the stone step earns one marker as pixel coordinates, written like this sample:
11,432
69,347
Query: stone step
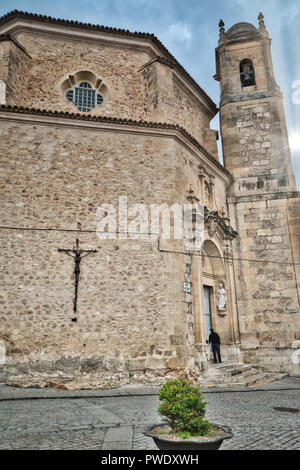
222,383
228,371
258,377
272,377
250,374
225,365
259,380
223,368
242,377
236,374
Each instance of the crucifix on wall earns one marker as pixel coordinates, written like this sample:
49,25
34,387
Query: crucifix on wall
78,254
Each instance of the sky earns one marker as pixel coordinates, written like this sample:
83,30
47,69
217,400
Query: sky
189,29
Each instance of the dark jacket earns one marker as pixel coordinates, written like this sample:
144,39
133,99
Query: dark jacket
214,338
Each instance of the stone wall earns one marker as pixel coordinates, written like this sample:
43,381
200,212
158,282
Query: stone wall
255,146
267,287
168,100
14,66
129,321
53,59
136,90
134,321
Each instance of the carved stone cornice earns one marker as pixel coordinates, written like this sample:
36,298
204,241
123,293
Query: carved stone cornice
8,37
263,197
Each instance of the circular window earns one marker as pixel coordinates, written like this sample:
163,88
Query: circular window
84,97
85,90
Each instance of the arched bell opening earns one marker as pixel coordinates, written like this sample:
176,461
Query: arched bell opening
247,73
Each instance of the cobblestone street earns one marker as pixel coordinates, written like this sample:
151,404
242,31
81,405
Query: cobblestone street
114,419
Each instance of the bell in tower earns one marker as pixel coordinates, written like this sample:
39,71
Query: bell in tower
247,73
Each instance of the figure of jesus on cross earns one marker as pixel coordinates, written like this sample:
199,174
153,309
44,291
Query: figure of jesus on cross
77,255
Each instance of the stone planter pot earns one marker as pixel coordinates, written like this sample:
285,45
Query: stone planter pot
206,443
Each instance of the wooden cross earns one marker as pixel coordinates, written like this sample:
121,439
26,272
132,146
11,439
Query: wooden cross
77,255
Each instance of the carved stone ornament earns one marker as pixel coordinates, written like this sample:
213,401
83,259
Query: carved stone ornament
214,222
206,193
227,253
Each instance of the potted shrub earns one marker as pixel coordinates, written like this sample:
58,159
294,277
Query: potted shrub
183,406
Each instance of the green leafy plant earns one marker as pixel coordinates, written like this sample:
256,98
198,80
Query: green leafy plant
184,406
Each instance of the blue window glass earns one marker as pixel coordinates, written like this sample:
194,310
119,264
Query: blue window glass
69,95
84,97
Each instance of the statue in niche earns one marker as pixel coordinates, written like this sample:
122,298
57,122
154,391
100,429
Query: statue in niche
221,298
206,194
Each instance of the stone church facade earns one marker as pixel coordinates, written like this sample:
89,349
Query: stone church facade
90,114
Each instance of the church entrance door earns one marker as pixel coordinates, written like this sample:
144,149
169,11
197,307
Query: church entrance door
207,310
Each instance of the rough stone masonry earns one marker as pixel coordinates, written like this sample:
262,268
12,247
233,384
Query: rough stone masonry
149,140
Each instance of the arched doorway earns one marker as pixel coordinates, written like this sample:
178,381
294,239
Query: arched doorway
213,273
209,272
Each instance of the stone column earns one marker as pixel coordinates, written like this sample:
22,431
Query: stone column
198,307
197,297
2,92
229,269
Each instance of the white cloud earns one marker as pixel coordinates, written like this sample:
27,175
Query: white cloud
294,140
179,32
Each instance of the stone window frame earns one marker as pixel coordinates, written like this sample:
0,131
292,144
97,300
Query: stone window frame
71,81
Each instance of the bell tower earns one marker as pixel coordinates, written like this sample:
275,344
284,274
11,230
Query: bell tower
263,201
253,127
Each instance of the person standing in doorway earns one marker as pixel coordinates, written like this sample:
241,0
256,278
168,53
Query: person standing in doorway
214,340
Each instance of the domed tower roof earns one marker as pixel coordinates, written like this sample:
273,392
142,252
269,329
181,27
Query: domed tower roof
242,30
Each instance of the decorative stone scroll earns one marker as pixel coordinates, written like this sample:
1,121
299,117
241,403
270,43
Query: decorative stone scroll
214,222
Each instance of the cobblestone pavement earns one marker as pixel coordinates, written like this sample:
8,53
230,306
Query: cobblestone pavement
116,422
